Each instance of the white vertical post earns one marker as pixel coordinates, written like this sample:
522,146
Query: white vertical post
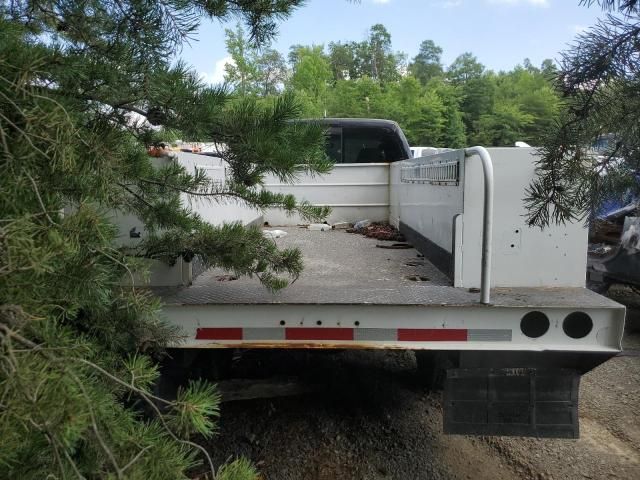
487,220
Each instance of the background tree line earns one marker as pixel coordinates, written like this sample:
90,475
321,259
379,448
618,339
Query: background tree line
436,105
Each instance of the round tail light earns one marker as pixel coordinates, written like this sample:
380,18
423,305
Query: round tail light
534,324
577,325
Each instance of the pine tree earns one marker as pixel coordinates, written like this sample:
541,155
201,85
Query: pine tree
599,82
77,347
426,64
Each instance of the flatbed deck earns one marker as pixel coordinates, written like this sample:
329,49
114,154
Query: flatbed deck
350,269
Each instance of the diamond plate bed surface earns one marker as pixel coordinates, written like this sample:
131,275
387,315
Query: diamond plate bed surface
345,268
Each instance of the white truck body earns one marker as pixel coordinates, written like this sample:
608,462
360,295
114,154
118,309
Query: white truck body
540,318
531,269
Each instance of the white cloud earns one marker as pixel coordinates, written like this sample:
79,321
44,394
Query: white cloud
381,1
217,76
535,3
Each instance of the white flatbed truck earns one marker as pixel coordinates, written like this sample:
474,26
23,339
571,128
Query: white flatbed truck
501,305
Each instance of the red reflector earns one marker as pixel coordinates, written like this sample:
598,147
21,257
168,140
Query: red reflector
319,334
219,334
432,335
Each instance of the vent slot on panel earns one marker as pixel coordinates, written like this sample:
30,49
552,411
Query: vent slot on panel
438,172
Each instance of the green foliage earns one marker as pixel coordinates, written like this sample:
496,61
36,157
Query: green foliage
504,126
421,113
599,82
426,65
373,57
453,135
454,107
78,347
311,72
379,59
273,71
82,424
243,73
254,69
344,62
239,469
196,408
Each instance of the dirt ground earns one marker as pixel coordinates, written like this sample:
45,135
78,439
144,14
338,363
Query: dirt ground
369,418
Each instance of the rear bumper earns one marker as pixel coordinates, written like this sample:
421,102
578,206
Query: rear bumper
412,327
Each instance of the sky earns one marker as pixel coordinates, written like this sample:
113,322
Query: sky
501,33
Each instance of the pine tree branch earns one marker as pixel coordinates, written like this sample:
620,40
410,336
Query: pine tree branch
130,108
35,189
147,397
94,424
36,348
57,455
71,461
25,135
123,265
178,188
135,195
136,458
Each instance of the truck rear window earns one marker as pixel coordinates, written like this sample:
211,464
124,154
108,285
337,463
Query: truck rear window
364,145
371,145
334,145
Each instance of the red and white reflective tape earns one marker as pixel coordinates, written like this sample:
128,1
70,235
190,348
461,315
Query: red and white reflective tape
251,334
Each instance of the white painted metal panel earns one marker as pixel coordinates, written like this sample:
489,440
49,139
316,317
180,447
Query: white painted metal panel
160,273
215,212
523,256
428,208
457,250
225,210
354,191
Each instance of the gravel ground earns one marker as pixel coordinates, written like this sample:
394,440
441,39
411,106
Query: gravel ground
609,444
370,419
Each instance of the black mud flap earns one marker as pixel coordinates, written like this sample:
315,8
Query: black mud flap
518,402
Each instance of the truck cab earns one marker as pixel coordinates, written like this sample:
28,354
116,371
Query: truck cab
363,140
